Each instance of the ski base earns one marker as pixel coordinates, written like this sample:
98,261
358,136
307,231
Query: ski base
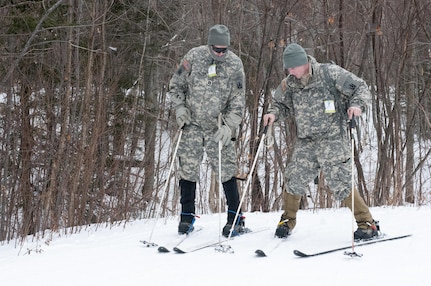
352,254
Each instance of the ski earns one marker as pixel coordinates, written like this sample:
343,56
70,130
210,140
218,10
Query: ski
368,242
270,248
179,240
226,248
198,247
219,242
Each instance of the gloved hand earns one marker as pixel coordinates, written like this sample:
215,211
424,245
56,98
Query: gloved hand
269,138
182,114
223,134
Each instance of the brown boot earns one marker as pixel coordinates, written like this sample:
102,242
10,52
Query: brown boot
288,218
367,227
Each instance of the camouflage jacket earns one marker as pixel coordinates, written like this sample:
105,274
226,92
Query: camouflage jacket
208,87
319,107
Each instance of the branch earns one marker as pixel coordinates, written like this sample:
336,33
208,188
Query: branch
30,40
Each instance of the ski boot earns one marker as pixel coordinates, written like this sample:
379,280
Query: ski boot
367,231
186,223
238,228
283,229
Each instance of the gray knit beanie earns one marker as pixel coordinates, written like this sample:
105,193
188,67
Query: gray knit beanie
294,56
219,35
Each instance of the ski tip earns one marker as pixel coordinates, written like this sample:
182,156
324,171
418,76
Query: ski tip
178,250
163,249
260,253
406,235
300,253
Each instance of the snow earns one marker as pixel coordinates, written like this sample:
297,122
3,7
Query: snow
113,255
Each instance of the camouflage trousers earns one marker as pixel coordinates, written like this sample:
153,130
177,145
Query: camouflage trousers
197,140
329,155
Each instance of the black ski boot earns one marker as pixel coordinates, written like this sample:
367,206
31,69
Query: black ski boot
186,223
238,228
282,230
367,231
232,197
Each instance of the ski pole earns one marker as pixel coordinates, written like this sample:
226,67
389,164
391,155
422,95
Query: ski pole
352,139
352,125
165,187
246,186
220,186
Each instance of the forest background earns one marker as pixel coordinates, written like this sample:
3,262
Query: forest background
87,131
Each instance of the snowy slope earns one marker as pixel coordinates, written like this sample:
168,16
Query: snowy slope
114,256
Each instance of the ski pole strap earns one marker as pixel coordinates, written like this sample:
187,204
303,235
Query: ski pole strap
239,216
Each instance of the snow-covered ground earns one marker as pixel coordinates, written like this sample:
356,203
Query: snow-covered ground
113,255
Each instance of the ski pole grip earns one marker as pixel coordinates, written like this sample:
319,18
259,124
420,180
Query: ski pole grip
352,123
265,129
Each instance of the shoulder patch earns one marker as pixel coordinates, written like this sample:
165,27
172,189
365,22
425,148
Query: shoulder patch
238,79
185,66
352,86
239,84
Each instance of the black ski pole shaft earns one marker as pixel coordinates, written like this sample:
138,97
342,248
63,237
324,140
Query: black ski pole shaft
352,122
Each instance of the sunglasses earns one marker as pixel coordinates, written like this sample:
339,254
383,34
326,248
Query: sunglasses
219,50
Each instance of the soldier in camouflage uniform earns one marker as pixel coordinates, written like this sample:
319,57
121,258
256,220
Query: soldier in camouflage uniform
320,98
208,94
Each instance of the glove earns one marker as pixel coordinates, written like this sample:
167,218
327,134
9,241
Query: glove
232,120
269,138
223,134
182,114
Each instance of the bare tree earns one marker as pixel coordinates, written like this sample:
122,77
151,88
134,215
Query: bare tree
87,129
